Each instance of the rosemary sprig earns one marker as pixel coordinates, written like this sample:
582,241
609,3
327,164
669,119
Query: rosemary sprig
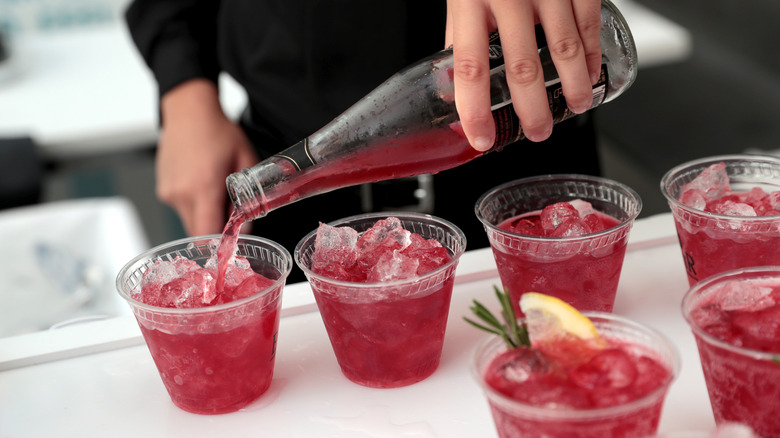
512,332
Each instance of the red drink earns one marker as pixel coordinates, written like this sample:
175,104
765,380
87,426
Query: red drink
587,280
726,212
617,391
734,317
214,349
216,372
561,235
384,292
387,343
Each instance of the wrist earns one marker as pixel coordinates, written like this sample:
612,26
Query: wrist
193,101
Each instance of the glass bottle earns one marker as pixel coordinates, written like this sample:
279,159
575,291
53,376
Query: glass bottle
409,125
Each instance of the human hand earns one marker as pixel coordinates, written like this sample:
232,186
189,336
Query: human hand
572,29
199,147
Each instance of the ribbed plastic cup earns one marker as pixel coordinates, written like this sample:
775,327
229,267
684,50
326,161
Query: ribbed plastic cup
583,271
711,243
213,359
637,418
743,384
387,334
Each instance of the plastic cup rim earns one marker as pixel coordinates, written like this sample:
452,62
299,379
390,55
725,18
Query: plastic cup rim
710,281
675,203
580,414
279,282
560,177
383,215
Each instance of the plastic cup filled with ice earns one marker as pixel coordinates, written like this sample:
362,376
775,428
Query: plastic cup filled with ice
563,235
213,347
735,319
584,375
383,283
727,212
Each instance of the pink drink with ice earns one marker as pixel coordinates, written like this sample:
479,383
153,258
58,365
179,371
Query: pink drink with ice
584,278
561,235
726,213
734,317
581,392
384,293
214,348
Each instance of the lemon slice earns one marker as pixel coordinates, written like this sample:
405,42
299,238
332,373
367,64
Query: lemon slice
553,324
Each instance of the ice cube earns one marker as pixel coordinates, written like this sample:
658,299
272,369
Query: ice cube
391,266
707,315
770,205
611,368
763,326
212,263
334,246
693,199
184,265
387,232
242,263
745,296
731,208
235,275
583,207
527,227
570,227
712,183
594,223
554,214
193,289
429,252
160,272
252,284
754,197
521,364
651,373
774,200
385,236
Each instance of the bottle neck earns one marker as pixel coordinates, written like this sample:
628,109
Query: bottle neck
246,195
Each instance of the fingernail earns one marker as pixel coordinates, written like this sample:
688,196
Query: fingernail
580,108
482,143
594,77
536,137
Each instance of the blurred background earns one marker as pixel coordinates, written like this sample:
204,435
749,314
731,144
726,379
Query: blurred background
78,129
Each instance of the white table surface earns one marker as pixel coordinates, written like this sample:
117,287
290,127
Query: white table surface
98,379
87,91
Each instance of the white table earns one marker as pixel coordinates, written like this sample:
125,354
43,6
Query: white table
87,91
98,379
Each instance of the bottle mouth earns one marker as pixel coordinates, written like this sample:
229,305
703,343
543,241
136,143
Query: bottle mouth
243,196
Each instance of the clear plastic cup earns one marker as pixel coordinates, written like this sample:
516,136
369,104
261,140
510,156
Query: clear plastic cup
219,358
637,418
387,334
711,243
743,384
583,271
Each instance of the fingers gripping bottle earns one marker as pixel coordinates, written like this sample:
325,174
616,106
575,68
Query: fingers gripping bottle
409,126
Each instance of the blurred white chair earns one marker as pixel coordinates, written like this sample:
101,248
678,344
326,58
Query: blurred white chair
59,261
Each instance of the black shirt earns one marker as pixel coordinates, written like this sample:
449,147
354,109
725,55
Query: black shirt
302,62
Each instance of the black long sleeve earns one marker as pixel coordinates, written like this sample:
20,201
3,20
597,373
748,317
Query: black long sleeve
176,38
